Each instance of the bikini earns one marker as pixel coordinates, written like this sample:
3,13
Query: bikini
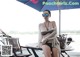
46,32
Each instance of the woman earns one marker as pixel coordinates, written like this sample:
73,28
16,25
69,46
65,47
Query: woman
47,36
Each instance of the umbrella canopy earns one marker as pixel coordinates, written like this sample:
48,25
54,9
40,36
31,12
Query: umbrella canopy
42,5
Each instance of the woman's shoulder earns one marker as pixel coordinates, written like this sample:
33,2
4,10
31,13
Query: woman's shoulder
53,22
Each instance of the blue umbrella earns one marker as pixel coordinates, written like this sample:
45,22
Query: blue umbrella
42,5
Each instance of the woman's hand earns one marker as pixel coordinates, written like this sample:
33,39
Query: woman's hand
44,40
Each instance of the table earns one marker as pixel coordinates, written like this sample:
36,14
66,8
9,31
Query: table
36,48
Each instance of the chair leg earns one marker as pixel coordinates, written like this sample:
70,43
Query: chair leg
21,51
14,51
34,52
62,55
67,54
29,51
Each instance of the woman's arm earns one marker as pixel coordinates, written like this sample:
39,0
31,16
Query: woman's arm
50,35
54,30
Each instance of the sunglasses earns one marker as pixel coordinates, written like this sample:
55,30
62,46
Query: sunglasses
45,15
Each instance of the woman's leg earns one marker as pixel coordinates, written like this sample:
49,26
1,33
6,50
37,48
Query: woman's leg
46,50
55,52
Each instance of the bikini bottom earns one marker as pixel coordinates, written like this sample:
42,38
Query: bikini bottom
50,45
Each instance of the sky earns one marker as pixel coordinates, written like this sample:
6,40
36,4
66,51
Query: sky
21,21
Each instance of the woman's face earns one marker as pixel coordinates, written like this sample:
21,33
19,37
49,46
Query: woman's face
48,15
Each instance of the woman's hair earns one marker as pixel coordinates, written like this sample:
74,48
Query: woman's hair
48,12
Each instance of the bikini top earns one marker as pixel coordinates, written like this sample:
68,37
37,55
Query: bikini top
46,32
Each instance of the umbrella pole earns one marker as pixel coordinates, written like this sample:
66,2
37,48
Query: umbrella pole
59,17
59,21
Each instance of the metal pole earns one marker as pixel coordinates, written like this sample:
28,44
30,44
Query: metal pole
59,17
59,21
